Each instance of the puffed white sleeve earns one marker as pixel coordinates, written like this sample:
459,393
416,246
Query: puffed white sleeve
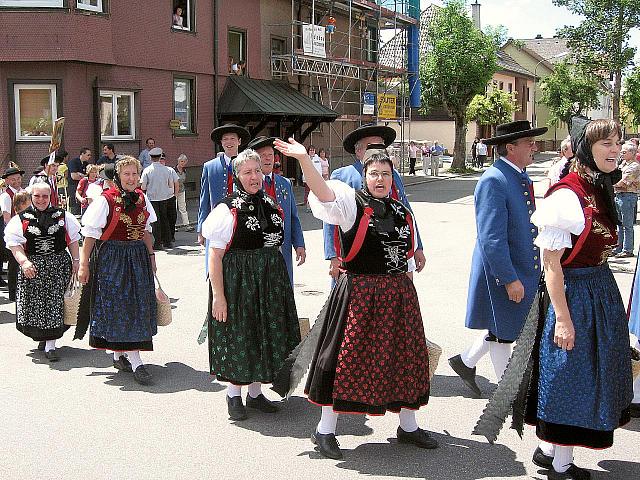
152,214
558,217
341,211
13,235
218,226
73,227
5,203
95,218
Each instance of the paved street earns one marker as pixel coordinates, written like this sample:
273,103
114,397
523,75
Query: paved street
78,418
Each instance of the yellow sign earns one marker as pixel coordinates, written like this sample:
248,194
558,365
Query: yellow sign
387,105
174,124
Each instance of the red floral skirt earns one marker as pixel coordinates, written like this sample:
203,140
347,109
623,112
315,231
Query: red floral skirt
372,353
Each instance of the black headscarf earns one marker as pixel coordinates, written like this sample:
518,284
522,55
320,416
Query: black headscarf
582,151
257,204
383,220
129,199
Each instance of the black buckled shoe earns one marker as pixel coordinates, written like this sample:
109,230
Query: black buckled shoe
236,409
420,438
468,375
634,410
261,403
327,444
52,356
123,364
142,375
542,460
573,473
41,346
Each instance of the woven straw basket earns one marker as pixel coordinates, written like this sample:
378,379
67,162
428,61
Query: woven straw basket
435,351
163,305
72,301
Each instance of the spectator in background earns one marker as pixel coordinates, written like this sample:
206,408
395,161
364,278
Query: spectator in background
178,20
62,176
324,161
108,154
315,159
144,158
48,175
566,152
474,152
413,155
81,191
181,171
481,151
77,171
436,152
626,191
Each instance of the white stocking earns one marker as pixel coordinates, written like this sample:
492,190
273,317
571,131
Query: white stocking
563,458
134,358
500,353
549,449
255,389
475,352
50,345
328,421
407,419
234,390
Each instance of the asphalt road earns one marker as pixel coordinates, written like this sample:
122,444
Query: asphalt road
78,418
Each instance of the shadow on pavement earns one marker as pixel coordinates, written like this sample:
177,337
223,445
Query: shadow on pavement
457,458
619,469
633,425
7,317
453,386
298,418
71,357
172,378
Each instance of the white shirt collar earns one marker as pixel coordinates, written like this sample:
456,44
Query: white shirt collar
13,189
516,168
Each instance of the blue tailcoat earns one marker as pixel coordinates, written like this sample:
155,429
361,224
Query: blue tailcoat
352,176
213,188
292,229
634,306
504,252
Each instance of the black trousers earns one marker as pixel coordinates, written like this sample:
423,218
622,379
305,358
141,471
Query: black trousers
172,213
412,165
161,233
74,206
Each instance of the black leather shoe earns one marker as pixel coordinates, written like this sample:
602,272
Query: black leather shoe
236,409
327,445
634,409
169,245
573,473
468,375
142,375
52,356
542,460
123,364
420,438
41,346
261,403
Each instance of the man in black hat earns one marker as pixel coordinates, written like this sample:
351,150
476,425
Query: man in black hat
48,173
217,176
505,269
13,179
356,143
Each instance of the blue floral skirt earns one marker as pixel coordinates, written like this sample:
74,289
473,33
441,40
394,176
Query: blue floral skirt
584,394
123,310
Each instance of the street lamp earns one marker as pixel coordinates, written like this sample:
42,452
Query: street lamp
535,80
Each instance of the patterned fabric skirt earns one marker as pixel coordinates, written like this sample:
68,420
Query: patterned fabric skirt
262,322
123,310
372,354
584,394
40,300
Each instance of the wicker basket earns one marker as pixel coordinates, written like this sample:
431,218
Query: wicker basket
435,351
72,301
635,363
163,305
305,326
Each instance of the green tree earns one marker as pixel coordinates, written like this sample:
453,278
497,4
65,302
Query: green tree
493,108
601,42
569,91
459,63
631,97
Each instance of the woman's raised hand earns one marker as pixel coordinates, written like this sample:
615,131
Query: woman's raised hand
290,148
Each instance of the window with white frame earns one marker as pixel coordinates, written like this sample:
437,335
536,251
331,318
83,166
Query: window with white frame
91,5
35,111
32,3
117,116
182,15
183,104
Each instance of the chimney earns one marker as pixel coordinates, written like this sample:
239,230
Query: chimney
475,14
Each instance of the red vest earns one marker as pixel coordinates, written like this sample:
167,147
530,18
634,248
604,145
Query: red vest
11,195
129,225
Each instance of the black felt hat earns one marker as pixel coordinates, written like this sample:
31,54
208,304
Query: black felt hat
508,132
44,161
218,132
108,171
387,134
12,171
260,142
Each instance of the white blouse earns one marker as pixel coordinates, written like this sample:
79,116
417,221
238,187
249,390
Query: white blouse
95,217
14,236
218,227
342,211
558,216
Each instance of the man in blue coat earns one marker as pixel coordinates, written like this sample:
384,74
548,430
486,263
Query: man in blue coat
279,188
505,269
217,177
356,143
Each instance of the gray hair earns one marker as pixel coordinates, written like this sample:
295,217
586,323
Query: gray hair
182,156
39,184
630,146
565,143
243,158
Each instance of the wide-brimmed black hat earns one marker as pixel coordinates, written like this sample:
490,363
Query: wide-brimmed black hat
508,132
45,160
387,134
218,132
108,171
260,142
12,171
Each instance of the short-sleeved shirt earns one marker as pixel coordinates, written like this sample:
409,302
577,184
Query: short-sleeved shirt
75,166
158,180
